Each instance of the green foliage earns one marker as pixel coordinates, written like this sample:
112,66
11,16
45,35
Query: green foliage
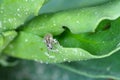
85,31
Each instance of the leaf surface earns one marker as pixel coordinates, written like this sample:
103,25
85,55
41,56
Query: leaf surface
30,70
14,13
96,68
72,47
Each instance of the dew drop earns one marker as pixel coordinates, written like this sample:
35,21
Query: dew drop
26,40
10,20
54,24
80,53
18,9
46,53
19,15
77,21
75,50
64,59
49,56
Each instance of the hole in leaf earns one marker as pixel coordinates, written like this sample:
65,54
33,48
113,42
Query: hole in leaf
94,43
104,25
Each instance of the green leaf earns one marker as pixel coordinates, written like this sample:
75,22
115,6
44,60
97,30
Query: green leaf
21,47
98,45
6,38
103,41
96,68
14,13
30,70
69,27
69,4
78,20
31,46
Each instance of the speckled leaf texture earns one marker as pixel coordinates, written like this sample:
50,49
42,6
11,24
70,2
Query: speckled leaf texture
87,35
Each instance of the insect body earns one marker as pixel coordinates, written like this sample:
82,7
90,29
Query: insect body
49,41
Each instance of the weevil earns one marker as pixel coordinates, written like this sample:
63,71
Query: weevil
49,40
